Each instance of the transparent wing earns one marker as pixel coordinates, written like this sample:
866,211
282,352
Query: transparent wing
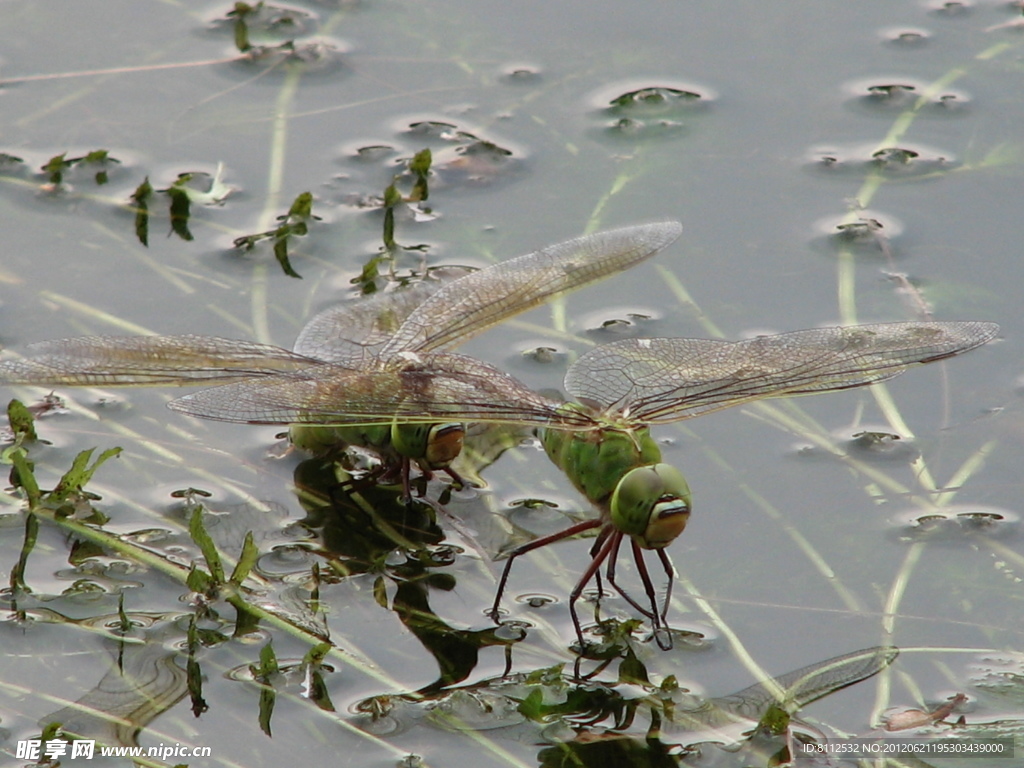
481,299
357,331
146,360
661,380
408,388
801,686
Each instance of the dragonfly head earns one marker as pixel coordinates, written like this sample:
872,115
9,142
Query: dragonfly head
652,505
434,446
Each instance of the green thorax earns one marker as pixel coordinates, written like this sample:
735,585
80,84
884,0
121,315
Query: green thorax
596,460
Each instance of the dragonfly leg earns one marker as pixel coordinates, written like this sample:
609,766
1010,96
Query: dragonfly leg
613,541
670,573
572,530
659,620
459,479
594,549
406,470
652,615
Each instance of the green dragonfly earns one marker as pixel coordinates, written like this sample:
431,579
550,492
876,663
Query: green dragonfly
603,444
371,358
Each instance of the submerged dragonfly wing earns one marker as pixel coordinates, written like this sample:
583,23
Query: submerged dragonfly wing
438,387
356,331
146,360
798,688
481,299
661,380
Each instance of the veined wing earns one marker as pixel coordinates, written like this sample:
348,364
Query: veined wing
407,388
800,687
479,300
662,380
357,330
146,360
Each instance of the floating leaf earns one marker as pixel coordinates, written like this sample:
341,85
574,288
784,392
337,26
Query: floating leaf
420,165
263,673
392,197
21,421
140,200
295,223
56,167
180,212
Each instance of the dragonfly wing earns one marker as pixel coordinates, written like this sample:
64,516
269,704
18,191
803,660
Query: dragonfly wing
356,331
486,297
660,380
440,387
146,360
801,687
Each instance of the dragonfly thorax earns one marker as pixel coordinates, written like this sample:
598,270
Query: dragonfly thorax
596,460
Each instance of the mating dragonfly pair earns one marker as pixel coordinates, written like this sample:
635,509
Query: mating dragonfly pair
376,373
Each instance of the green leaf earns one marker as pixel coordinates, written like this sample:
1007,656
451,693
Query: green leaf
202,539
18,584
380,592
281,254
302,206
140,199
316,689
775,720
56,166
199,581
193,672
247,618
246,560
81,472
267,668
532,707
23,476
124,623
420,165
179,212
21,421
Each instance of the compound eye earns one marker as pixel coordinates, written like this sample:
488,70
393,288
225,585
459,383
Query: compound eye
651,504
444,444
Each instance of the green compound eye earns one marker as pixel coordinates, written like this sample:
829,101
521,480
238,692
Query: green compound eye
651,504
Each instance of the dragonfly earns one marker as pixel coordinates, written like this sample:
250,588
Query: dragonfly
623,388
372,358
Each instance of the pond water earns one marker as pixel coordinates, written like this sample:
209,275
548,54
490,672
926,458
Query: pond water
830,162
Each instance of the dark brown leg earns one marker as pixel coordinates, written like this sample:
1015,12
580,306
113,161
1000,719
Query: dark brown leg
529,547
613,542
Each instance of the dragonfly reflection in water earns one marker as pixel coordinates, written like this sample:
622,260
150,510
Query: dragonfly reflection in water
373,360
